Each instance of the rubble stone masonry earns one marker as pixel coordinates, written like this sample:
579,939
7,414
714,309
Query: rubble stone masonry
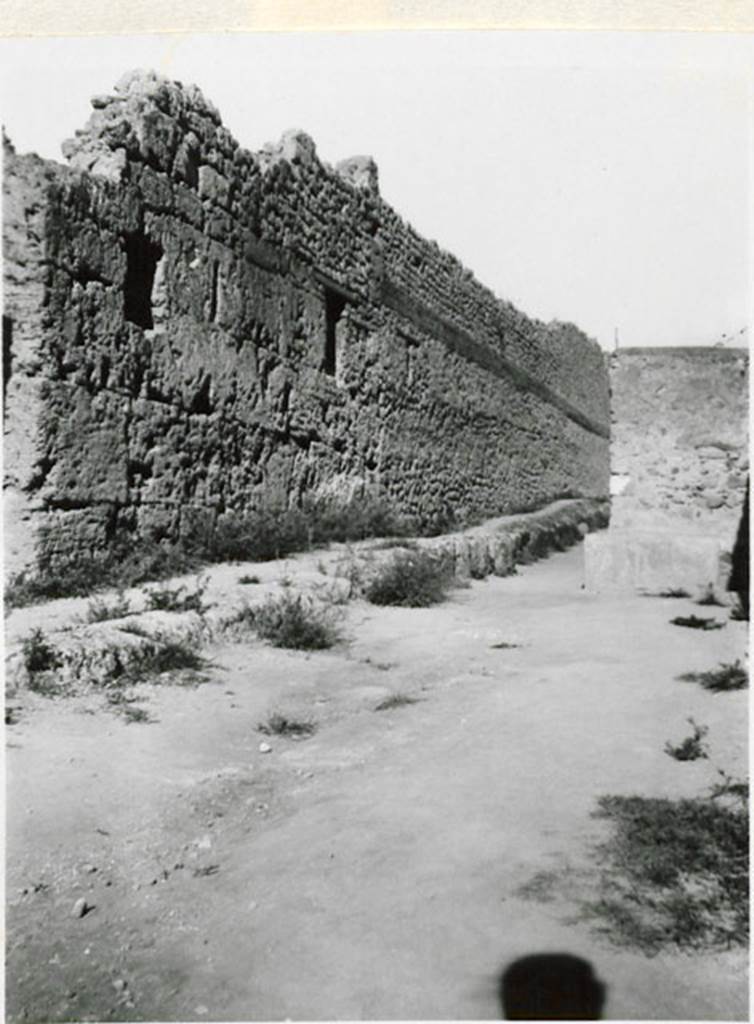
191,330
680,439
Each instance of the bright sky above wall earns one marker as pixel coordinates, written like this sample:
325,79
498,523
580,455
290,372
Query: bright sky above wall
599,178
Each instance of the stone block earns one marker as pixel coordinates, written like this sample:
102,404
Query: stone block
651,561
23,447
155,189
82,446
67,535
159,137
213,186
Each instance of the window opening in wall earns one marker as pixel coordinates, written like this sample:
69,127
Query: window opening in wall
191,167
7,352
214,284
142,257
201,401
334,306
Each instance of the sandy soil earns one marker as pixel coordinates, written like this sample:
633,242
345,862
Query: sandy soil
373,870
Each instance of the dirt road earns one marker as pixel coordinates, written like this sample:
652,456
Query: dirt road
375,869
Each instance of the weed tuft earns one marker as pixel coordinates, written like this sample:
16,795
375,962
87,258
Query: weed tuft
739,613
132,714
334,593
168,655
134,629
694,622
710,599
126,707
672,592
352,569
99,610
415,579
177,599
280,725
726,677
691,748
293,622
735,789
396,700
248,580
541,887
38,653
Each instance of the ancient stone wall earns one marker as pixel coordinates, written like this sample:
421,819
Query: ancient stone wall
192,330
679,452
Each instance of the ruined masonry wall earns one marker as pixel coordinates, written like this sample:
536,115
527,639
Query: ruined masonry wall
679,438
193,330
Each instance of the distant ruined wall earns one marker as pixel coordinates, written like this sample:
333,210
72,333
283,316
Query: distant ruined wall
679,449
192,330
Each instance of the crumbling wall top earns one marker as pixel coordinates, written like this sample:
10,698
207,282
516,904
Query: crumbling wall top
172,127
153,120
361,172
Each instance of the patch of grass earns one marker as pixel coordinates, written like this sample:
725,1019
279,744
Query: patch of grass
691,748
333,592
100,610
248,580
353,570
206,871
739,613
726,677
676,592
735,789
540,888
38,653
244,617
710,599
162,655
134,629
503,646
126,563
47,685
480,571
132,714
676,873
273,532
395,700
381,666
414,579
177,599
694,622
280,725
364,516
168,655
126,707
258,535
293,622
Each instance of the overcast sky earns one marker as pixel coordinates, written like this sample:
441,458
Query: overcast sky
599,178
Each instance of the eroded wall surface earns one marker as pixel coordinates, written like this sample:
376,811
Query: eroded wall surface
192,330
680,438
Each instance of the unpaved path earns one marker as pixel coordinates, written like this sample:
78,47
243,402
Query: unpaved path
373,870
